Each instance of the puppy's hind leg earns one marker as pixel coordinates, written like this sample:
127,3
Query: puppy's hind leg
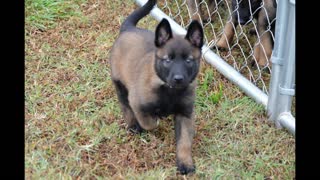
128,114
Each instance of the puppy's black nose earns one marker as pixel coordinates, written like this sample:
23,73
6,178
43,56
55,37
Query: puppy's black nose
178,78
242,22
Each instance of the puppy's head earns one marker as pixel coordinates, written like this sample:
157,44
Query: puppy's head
178,58
243,9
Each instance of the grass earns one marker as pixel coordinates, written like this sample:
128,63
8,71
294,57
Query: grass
42,14
74,128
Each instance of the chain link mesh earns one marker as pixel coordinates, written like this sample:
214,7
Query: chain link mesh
248,44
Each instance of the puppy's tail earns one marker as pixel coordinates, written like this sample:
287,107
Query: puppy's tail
138,14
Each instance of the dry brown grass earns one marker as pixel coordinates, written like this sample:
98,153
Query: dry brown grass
74,128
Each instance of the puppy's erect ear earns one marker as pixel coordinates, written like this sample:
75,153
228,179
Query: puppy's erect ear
195,34
163,33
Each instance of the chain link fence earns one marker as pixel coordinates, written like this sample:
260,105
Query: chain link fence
240,37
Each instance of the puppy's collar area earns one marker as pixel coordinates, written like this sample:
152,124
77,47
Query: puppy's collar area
167,85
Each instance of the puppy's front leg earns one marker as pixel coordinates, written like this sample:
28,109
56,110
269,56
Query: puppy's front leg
265,38
184,132
227,36
194,10
144,118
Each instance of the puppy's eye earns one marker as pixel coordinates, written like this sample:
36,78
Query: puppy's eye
166,59
189,59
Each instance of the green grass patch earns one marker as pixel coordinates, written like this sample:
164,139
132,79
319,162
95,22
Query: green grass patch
73,124
44,14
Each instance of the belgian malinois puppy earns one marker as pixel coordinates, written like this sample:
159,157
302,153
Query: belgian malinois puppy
243,11
155,75
196,10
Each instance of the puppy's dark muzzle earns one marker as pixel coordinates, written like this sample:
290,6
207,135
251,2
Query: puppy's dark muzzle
178,79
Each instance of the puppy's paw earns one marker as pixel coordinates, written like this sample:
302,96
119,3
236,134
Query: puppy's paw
184,169
136,129
221,45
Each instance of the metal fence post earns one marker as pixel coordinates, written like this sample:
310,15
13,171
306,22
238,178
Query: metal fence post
283,67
